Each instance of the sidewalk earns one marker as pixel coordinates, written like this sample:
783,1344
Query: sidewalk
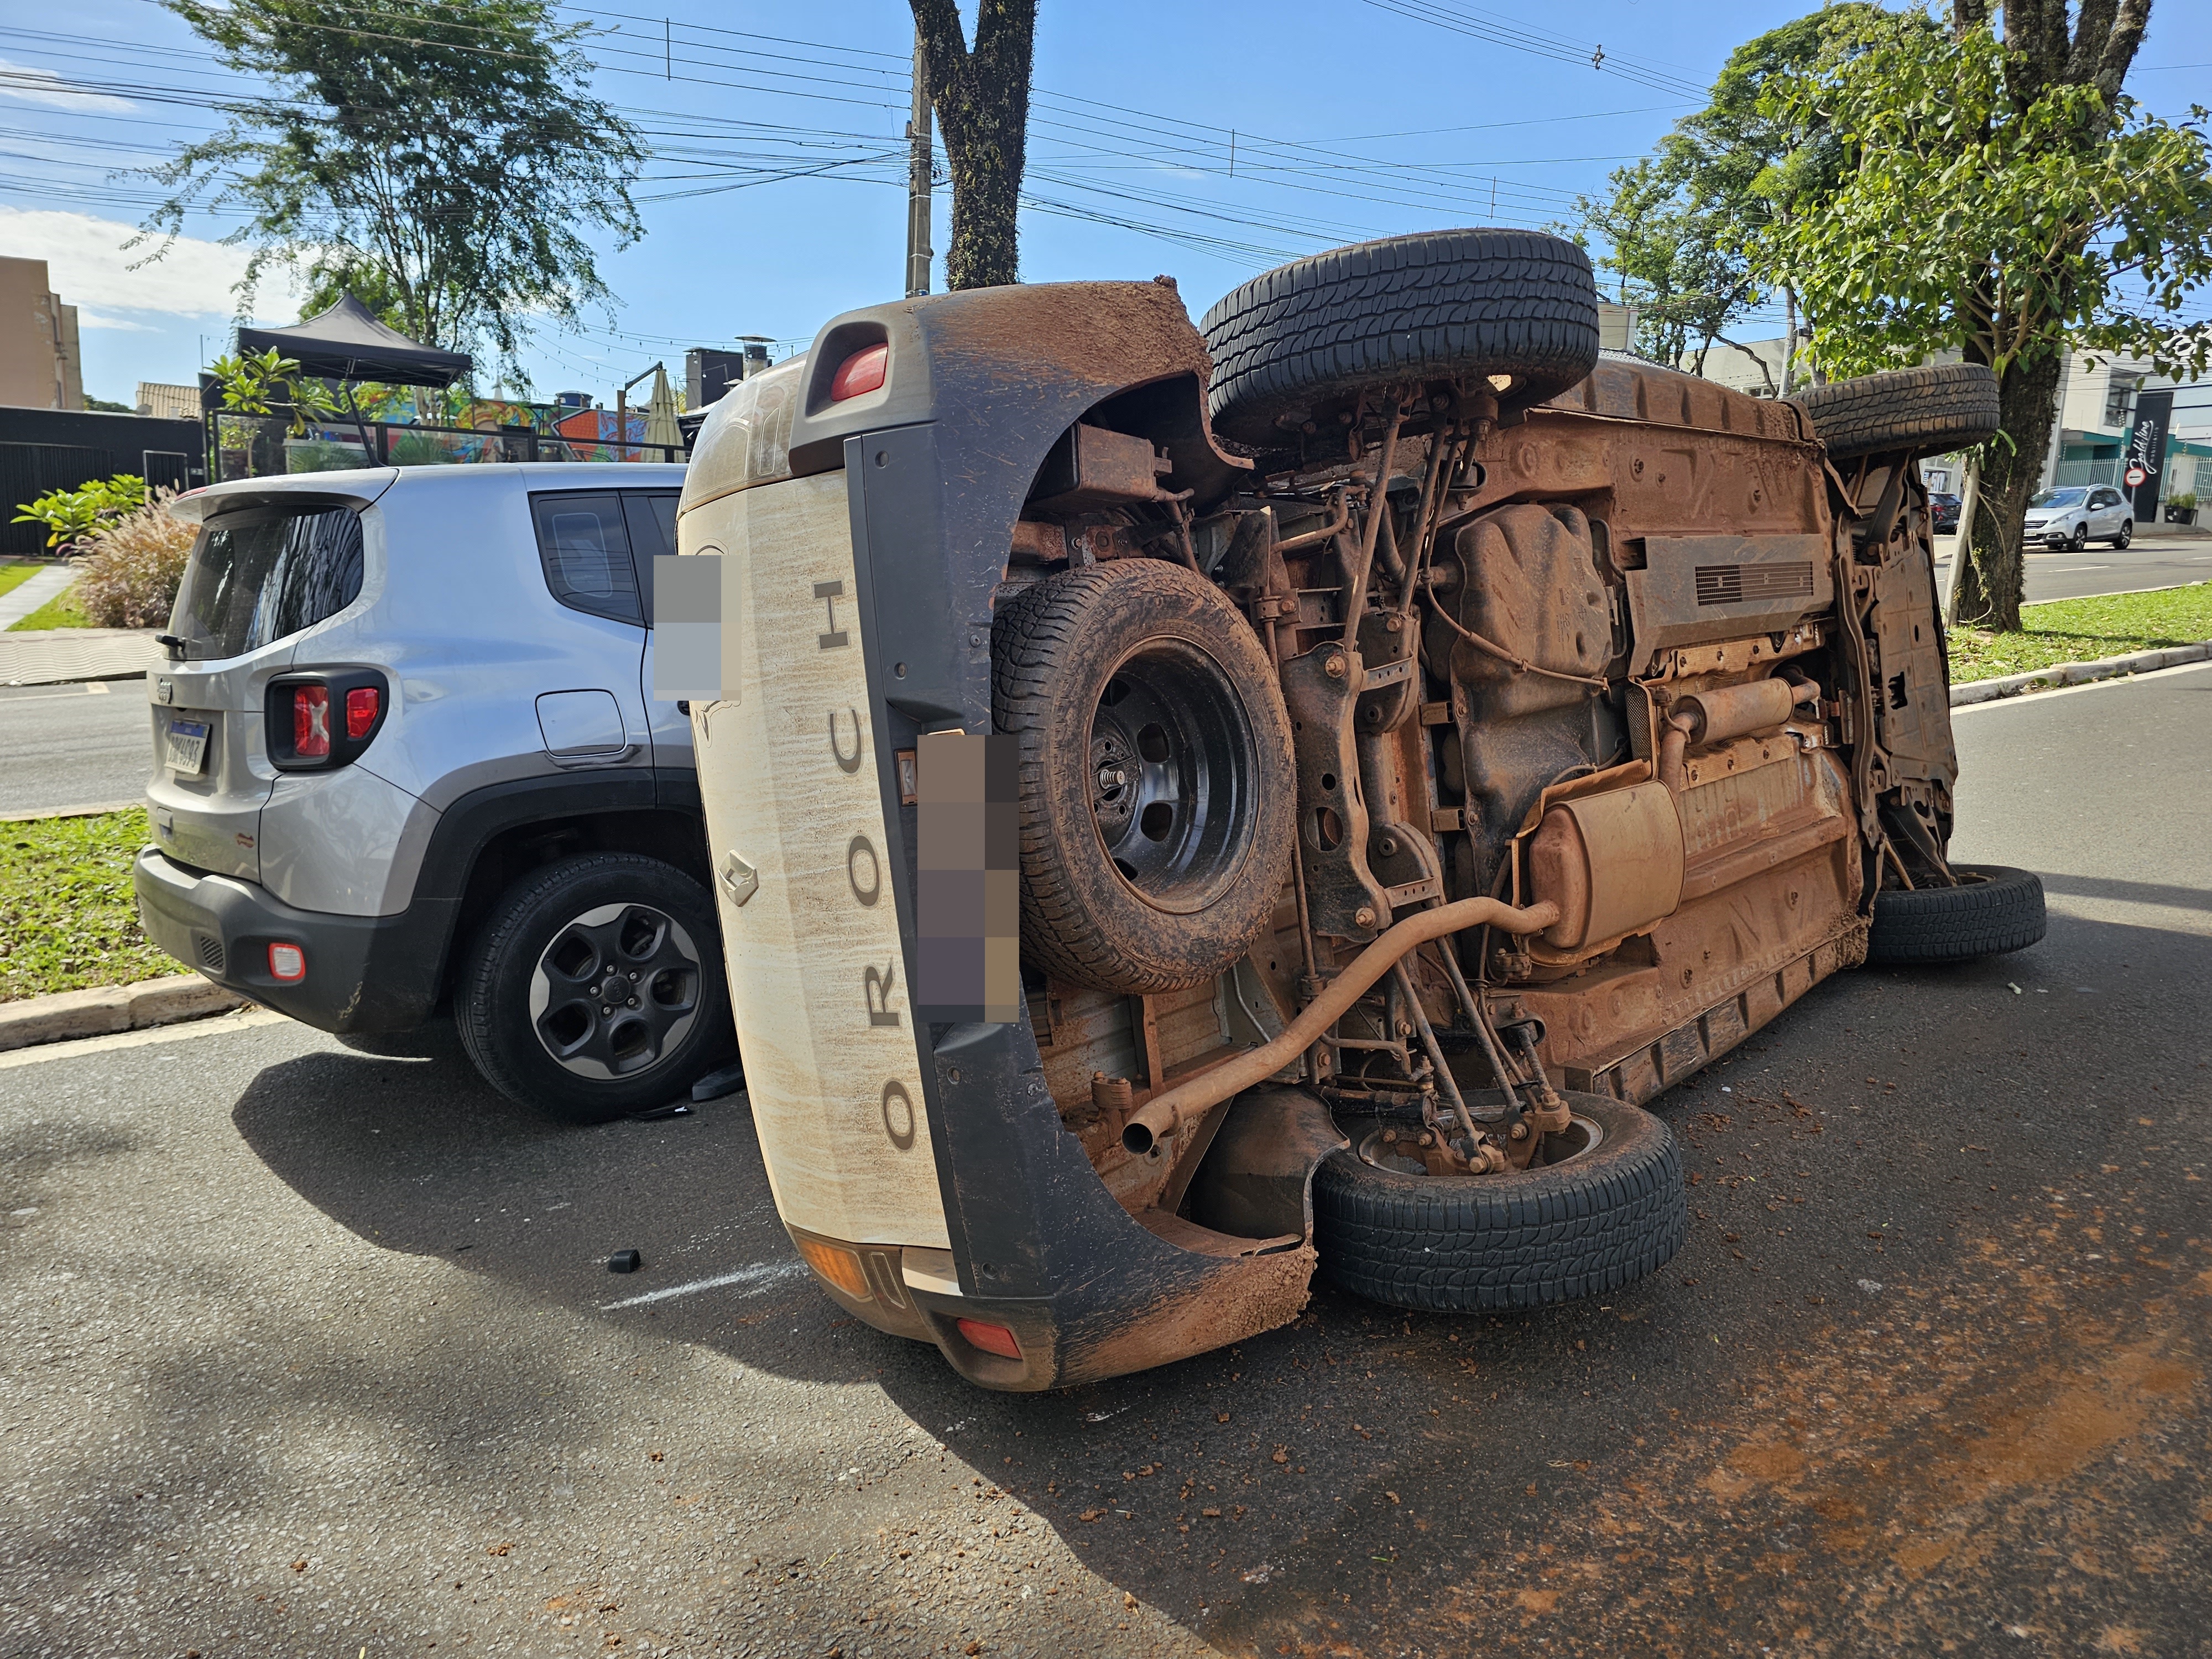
52,655
21,601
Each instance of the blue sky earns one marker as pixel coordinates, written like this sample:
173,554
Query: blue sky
1207,142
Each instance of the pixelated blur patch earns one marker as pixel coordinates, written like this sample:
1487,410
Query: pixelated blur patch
695,630
968,901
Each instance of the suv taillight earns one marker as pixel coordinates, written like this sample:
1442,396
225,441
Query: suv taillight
319,720
310,722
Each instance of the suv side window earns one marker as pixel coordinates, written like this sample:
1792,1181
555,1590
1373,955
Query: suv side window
584,550
652,517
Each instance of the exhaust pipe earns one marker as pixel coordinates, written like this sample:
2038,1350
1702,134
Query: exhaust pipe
1161,1116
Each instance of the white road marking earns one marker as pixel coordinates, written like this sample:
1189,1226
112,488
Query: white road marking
216,1025
763,1275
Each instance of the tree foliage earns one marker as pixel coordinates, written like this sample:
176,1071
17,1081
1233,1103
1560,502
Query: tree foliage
1680,228
981,98
2003,199
442,159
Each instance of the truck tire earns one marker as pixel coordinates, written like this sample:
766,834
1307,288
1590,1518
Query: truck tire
1994,911
1158,795
1445,304
533,998
1930,411
1613,1211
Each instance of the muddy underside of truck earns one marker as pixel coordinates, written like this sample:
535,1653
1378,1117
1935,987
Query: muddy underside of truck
1429,743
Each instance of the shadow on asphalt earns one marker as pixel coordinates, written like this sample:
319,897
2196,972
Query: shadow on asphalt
1364,1475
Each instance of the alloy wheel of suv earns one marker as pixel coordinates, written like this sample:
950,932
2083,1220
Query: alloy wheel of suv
594,988
615,992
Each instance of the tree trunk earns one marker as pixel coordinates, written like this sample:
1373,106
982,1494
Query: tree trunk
1989,595
982,102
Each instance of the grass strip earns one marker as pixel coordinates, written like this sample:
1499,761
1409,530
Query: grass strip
2082,631
67,919
13,576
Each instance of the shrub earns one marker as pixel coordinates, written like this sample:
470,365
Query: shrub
74,514
131,569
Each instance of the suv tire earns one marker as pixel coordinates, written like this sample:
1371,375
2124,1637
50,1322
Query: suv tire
2127,534
1996,910
1930,410
1520,1238
1448,305
552,936
1159,794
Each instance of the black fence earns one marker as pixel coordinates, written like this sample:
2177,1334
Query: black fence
45,449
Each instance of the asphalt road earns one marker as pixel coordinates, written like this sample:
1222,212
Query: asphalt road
73,745
2150,561
305,1352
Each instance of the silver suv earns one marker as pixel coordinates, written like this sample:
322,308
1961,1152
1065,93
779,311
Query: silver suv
408,764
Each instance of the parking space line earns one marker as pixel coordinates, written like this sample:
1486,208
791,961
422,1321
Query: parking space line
762,1274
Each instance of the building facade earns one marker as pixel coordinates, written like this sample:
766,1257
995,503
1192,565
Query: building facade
40,366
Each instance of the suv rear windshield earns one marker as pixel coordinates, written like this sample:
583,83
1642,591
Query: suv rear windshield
257,575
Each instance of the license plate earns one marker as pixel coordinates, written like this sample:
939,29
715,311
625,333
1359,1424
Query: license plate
187,745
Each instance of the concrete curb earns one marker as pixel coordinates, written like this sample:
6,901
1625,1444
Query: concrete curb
2078,673
97,809
108,1008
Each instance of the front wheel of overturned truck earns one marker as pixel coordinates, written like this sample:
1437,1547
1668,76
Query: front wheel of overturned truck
1601,1206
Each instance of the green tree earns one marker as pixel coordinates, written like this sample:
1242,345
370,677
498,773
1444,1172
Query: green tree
982,102
1680,226
2003,198
443,158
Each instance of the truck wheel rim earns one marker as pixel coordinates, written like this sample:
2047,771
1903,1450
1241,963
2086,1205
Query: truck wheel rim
616,991
1581,1136
1172,764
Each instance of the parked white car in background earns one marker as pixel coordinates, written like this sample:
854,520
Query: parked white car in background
2076,516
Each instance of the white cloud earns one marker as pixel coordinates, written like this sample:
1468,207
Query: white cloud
89,319
87,262
36,86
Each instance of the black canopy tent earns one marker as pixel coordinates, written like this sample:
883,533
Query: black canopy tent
347,342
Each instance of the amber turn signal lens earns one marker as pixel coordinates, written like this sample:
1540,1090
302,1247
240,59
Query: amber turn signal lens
838,1266
991,1338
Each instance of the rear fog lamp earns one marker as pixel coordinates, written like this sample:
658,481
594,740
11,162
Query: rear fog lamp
310,721
991,1338
288,963
363,703
861,372
837,1266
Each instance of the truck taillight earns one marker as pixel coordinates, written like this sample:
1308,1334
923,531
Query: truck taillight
363,704
861,372
310,721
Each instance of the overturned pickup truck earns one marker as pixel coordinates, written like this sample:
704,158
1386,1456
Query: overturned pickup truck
1190,810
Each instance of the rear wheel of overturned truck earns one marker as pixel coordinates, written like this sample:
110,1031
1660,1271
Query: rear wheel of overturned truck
1157,790
1939,408
1601,1205
1512,311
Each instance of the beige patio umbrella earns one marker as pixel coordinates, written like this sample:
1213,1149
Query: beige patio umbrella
660,426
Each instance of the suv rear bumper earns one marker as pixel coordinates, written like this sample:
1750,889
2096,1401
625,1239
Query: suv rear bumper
365,974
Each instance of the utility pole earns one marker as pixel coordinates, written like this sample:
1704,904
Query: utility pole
918,250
